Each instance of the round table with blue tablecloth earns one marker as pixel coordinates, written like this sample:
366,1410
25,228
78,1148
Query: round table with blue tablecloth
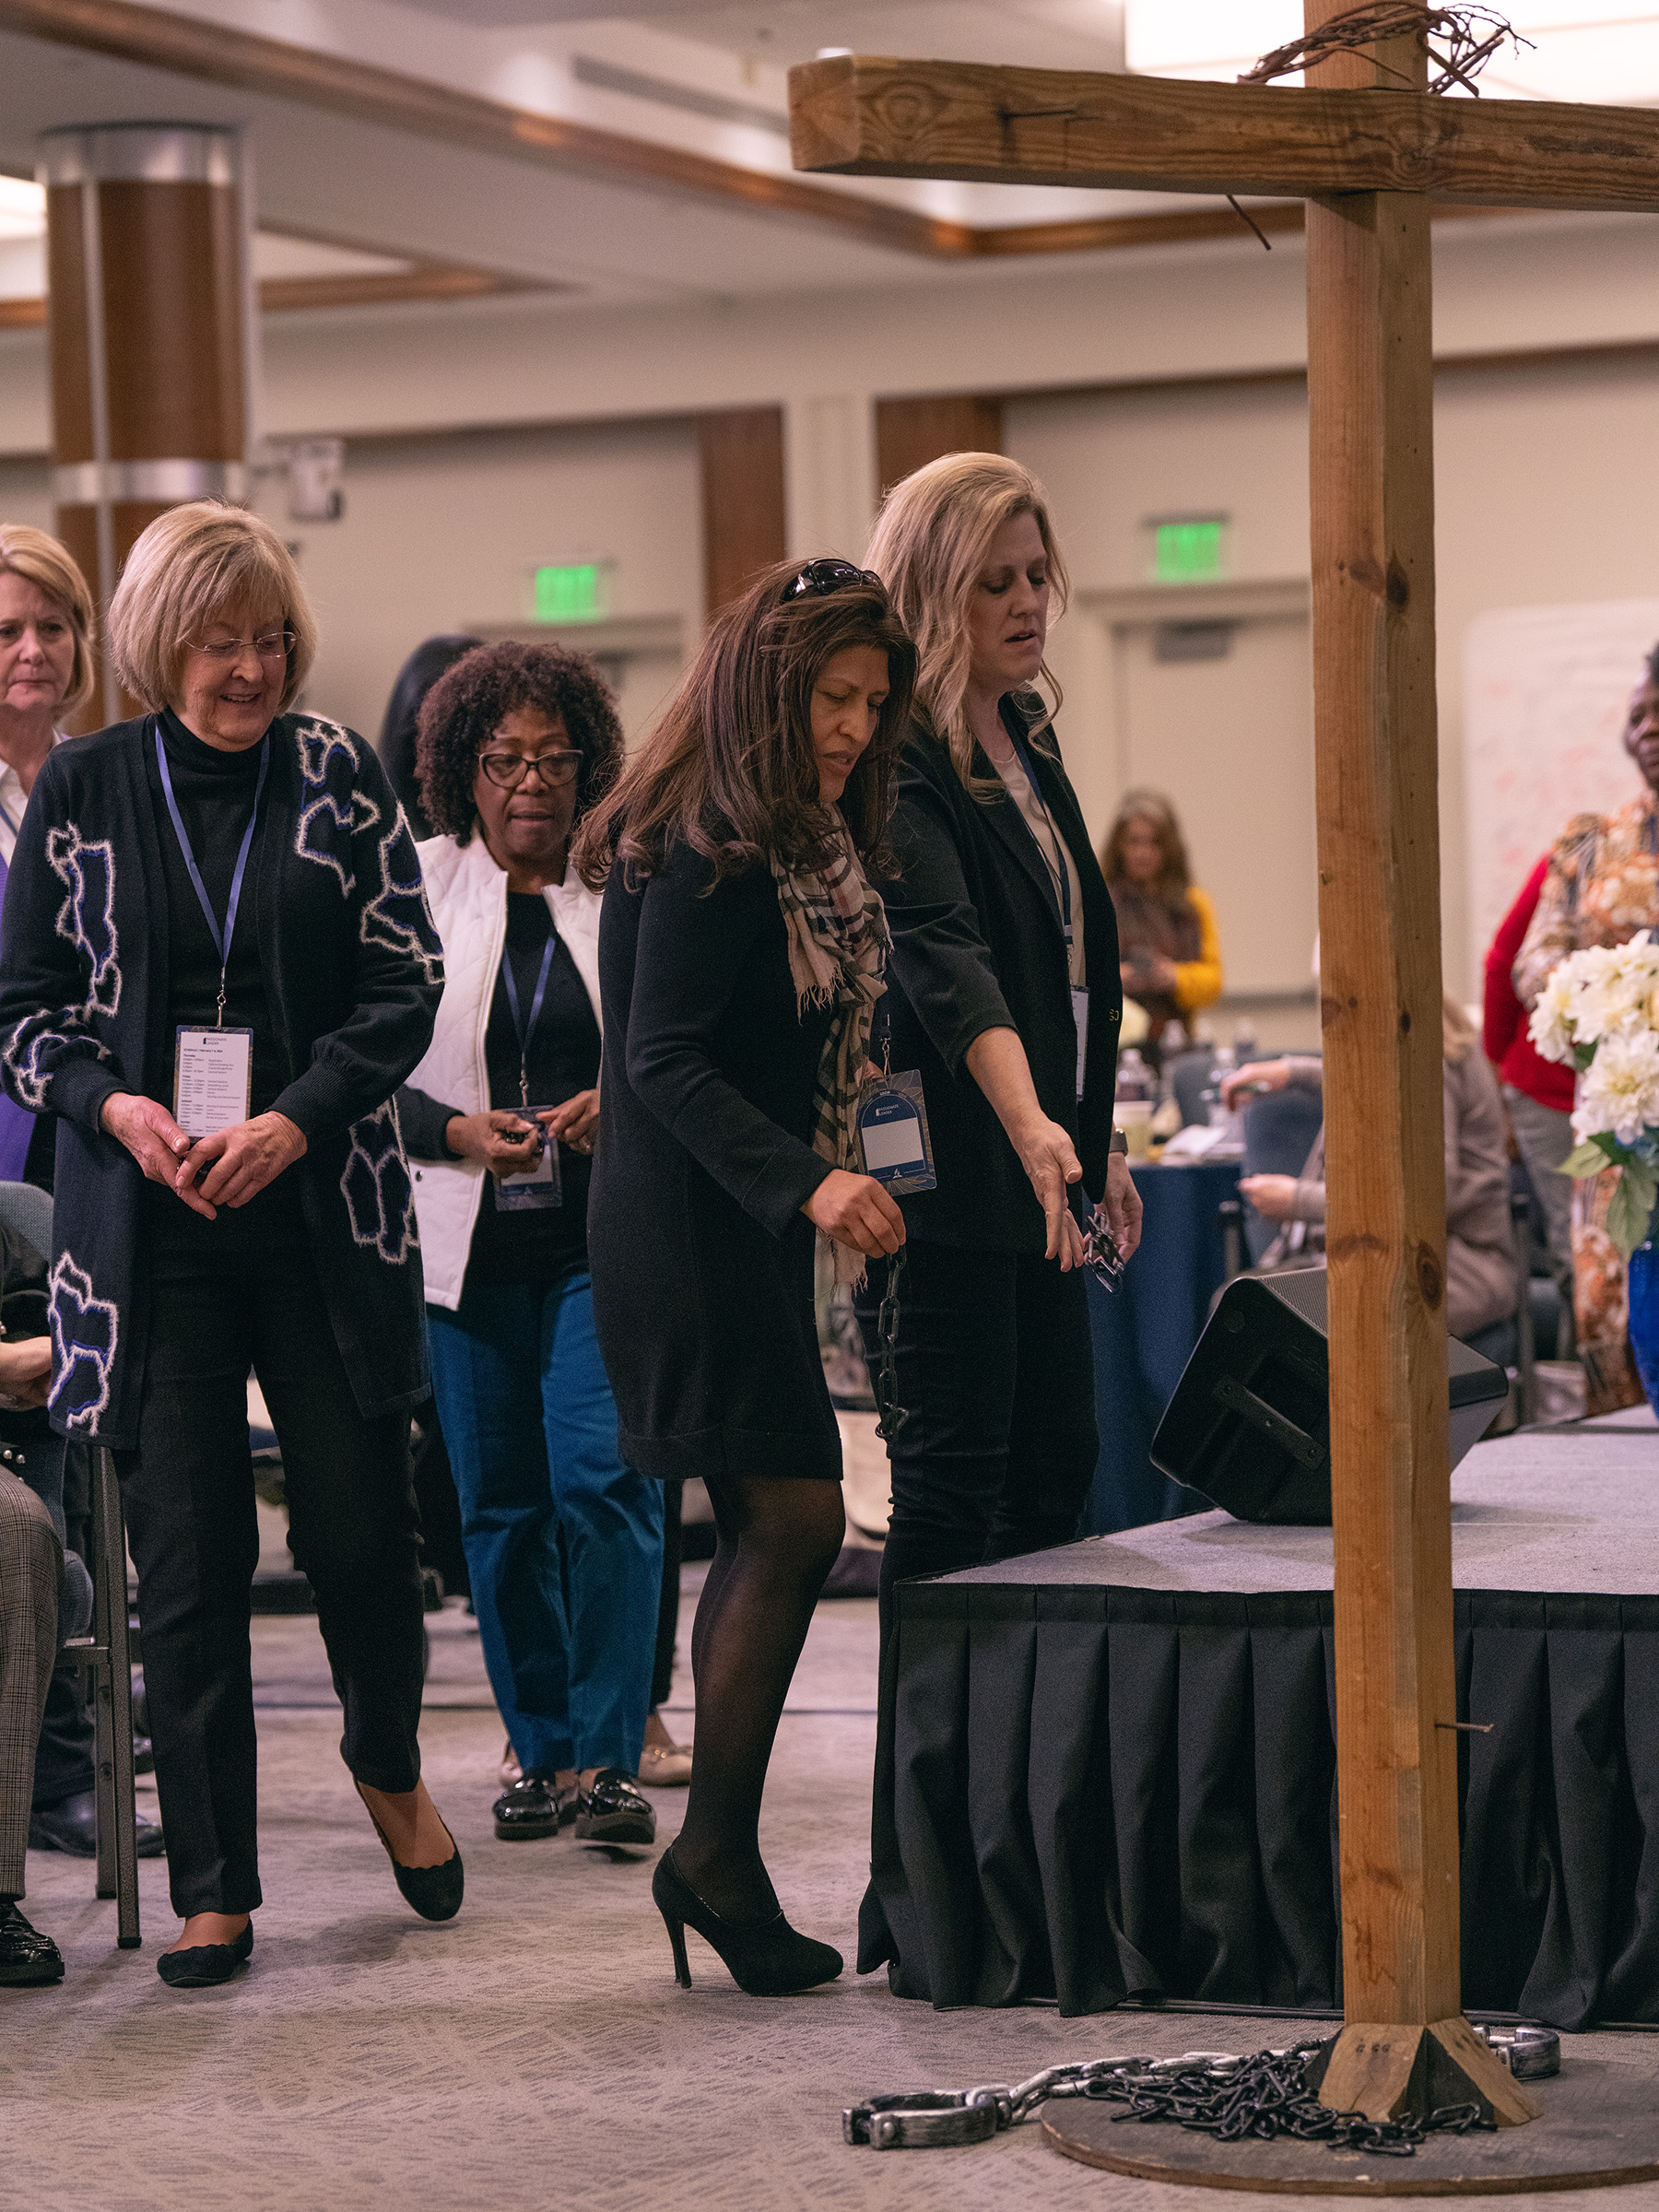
1143,1332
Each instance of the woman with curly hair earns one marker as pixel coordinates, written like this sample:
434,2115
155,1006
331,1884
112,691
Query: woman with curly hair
563,1540
741,956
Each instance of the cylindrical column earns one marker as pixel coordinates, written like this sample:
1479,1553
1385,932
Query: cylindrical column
150,326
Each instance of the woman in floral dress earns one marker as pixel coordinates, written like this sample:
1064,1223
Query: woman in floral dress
1601,886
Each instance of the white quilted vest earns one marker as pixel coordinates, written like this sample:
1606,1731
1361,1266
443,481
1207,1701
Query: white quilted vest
469,904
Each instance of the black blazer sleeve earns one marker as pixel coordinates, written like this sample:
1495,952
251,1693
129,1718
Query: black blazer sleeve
423,1120
692,949
939,953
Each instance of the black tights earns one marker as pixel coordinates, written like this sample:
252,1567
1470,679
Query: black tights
779,1538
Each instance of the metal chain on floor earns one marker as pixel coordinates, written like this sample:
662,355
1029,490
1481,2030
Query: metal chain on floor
1217,2092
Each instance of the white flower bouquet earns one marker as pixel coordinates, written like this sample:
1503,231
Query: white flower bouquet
1599,1013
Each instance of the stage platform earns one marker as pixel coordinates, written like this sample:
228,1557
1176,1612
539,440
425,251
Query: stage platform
1109,1770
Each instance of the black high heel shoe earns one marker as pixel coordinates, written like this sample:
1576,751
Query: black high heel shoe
434,1891
768,1958
206,1964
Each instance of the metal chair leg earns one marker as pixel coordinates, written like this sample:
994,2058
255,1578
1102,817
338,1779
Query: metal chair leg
117,1810
1526,1360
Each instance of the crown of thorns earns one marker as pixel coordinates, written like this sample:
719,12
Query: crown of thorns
1459,41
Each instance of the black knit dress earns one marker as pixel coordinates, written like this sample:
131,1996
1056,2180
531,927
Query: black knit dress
701,1258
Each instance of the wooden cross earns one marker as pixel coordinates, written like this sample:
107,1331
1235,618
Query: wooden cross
1368,157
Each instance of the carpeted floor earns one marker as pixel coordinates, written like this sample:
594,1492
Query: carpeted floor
536,2052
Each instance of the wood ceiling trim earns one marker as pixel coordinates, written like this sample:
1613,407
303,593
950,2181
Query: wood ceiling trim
434,280
160,39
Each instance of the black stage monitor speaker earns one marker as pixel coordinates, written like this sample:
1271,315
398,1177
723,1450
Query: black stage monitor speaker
1250,1424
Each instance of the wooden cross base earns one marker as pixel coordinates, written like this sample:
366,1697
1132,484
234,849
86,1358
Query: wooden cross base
1386,2071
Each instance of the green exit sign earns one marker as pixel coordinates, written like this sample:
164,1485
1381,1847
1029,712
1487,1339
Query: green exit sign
1187,549
568,594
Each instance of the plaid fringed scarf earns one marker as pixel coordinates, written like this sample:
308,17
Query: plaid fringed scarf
838,948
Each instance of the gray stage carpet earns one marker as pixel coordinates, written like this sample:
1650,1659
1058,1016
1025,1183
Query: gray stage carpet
1573,1509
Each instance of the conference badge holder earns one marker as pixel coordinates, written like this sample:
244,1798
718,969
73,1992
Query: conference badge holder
532,1188
213,1079
892,1133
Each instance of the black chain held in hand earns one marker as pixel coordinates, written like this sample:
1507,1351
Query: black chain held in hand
885,1381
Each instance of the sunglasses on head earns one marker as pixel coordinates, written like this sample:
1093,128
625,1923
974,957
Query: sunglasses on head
819,578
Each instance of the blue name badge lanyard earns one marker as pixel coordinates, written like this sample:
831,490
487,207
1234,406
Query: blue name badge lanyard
538,1186
892,1127
1079,991
213,1069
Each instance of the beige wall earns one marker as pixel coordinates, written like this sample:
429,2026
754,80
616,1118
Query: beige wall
443,534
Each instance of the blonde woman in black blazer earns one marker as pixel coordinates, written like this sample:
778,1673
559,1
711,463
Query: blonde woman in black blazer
1000,918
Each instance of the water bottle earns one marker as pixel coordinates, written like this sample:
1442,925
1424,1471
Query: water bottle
1221,1116
1245,1048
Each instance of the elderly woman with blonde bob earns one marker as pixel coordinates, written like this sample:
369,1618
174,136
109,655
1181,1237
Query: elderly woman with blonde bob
218,966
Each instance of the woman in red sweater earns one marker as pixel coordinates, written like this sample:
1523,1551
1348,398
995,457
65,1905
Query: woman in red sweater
1537,1093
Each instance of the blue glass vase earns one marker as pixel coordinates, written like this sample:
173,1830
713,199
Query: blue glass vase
1644,1317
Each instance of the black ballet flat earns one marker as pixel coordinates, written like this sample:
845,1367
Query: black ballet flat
434,1891
206,1964
767,1958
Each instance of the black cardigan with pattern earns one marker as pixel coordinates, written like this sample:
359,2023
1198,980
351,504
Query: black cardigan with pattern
352,971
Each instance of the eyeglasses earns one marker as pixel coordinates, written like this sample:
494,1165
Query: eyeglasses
270,645
509,770
819,578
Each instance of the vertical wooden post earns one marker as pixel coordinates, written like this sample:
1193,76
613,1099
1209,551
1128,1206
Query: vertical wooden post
1370,394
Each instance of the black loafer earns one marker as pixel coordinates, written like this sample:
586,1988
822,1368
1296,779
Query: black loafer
71,1825
206,1964
27,1958
533,1808
613,1811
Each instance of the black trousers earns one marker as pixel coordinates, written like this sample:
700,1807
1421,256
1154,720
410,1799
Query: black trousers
995,1370
239,1292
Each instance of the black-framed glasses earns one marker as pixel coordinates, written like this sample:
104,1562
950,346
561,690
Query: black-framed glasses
509,770
1100,1254
819,578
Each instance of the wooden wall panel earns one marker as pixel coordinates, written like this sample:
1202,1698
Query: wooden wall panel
912,433
745,528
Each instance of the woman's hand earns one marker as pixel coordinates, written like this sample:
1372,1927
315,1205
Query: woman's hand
1049,1157
506,1143
1273,1196
1246,1083
26,1372
154,1139
855,1210
576,1121
1121,1206
235,1164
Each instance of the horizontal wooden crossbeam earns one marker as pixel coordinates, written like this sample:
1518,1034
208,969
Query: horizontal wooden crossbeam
863,117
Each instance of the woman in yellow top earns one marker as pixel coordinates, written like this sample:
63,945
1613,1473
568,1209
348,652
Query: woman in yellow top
1166,937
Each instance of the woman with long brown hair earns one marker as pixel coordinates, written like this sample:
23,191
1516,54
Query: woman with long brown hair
1170,948
741,954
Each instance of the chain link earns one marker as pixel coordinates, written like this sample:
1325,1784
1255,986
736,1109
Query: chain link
884,1381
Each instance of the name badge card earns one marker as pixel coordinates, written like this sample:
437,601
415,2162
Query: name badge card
213,1079
1079,998
532,1187
892,1134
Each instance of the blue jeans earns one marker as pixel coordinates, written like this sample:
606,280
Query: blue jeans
564,1541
